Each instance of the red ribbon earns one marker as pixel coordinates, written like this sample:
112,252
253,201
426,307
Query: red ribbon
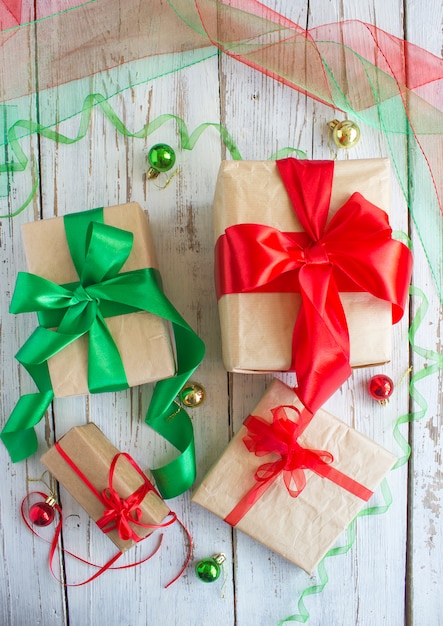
280,437
353,252
120,514
24,508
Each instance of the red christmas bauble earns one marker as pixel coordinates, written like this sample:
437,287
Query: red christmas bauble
380,388
41,514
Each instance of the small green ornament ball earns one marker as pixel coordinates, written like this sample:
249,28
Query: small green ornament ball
161,157
208,570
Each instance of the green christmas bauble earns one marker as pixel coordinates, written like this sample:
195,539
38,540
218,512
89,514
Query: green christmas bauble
161,157
209,570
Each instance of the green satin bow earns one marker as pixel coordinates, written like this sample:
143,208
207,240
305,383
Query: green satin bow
99,251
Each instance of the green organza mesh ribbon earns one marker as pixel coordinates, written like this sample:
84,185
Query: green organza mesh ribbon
380,80
99,252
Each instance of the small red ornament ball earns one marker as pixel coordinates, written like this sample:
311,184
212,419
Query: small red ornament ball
41,514
380,388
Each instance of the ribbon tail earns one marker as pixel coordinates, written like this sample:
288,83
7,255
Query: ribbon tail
248,501
320,339
175,425
105,367
18,434
178,475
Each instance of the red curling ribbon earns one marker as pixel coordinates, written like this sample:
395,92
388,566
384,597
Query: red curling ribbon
120,514
100,568
280,437
353,252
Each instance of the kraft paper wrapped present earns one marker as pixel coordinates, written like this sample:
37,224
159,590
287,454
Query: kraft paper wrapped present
90,456
348,468
257,327
143,339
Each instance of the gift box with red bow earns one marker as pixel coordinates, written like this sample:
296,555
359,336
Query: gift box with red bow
292,481
307,274
108,484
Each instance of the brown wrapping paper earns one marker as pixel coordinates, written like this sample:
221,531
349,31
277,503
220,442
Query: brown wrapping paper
143,339
300,529
93,453
256,328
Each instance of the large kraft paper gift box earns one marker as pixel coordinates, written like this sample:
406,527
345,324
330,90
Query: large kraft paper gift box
257,328
300,528
92,453
143,339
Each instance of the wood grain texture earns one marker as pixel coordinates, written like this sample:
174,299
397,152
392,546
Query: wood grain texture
392,573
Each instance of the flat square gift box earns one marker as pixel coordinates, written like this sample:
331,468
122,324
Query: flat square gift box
92,454
301,528
257,328
143,339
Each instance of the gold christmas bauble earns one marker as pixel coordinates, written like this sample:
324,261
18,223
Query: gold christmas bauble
192,394
345,134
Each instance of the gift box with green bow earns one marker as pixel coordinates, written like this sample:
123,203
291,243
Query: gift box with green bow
55,255
103,326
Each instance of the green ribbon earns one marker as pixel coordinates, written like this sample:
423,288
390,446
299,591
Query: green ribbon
99,252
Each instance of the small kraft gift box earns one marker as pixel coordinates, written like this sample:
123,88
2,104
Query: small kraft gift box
108,484
291,480
308,277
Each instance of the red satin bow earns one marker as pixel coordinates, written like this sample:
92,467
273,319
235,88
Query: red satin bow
353,252
280,437
119,513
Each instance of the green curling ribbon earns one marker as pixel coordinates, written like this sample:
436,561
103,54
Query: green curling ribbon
99,251
188,139
303,615
434,364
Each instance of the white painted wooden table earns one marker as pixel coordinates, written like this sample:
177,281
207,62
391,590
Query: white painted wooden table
392,574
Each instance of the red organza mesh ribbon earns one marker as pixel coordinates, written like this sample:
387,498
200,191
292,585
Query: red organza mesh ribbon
279,438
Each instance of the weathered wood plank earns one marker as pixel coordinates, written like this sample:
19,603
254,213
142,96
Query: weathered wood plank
24,595
425,546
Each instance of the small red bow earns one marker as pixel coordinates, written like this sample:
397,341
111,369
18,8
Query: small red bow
122,514
280,437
